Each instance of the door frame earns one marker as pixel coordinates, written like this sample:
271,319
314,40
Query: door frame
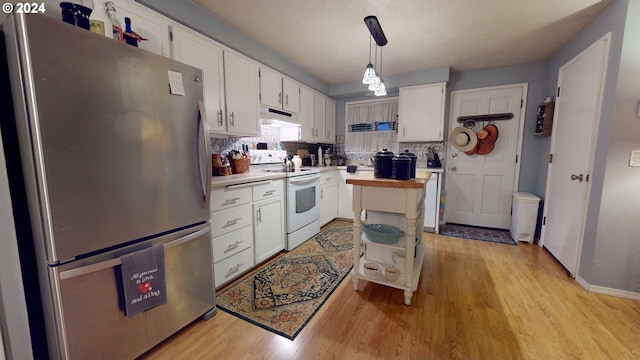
525,89
596,125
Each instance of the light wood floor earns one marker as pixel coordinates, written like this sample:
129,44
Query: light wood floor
475,300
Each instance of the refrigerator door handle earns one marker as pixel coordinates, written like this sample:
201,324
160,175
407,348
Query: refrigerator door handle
203,137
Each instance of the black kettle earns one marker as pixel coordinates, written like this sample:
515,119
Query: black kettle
382,164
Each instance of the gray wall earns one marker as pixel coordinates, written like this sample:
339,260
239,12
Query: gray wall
13,308
611,249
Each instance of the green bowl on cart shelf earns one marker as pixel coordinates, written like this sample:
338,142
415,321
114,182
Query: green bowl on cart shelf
382,233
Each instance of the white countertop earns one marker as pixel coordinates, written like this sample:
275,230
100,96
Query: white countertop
259,175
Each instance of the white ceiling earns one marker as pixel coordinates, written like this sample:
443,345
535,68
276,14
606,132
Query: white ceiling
329,39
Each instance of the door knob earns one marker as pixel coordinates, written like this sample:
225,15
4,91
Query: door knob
575,177
455,155
453,168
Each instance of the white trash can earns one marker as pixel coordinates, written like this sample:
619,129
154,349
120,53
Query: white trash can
524,216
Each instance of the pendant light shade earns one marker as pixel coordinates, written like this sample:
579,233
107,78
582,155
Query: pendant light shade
369,72
380,89
369,75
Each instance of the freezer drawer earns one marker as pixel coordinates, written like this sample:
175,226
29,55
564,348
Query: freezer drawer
93,316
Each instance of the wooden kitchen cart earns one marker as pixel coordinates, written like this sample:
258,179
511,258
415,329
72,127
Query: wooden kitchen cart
395,202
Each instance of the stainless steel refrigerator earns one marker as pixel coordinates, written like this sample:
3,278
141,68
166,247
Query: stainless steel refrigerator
108,154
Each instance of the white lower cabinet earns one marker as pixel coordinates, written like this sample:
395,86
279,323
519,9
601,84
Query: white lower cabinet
269,228
328,196
247,226
432,203
345,193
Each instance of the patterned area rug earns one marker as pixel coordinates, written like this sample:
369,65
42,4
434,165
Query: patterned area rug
477,233
284,295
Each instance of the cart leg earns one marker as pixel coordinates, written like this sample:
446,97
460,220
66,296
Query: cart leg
407,297
356,282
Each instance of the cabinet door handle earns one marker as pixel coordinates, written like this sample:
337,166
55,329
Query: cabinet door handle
280,98
286,102
321,194
232,222
259,215
234,269
269,193
230,201
232,119
219,117
232,246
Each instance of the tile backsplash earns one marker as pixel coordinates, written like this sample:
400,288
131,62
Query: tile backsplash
271,136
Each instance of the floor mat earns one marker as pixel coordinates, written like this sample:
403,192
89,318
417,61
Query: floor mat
285,294
477,233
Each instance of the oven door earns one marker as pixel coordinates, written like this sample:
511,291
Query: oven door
303,201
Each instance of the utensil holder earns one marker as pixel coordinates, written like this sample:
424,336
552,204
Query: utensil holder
239,166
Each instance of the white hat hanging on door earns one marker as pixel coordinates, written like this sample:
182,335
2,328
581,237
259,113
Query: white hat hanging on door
463,139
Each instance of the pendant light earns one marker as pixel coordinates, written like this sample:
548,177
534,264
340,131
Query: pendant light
376,80
380,88
371,77
369,72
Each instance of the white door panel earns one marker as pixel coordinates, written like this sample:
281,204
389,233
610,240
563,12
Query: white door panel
576,118
479,187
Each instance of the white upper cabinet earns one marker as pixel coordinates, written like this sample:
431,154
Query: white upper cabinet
147,23
317,119
241,95
199,51
307,128
319,111
330,121
278,91
421,112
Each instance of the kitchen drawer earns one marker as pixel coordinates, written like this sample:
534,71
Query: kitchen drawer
329,177
232,267
267,191
232,243
226,221
228,197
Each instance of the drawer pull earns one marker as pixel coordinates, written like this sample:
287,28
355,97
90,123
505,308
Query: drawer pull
233,246
232,222
231,201
234,269
269,193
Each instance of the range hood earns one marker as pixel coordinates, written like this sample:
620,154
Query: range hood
277,118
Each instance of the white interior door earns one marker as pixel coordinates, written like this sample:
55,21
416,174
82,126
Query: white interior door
479,187
576,118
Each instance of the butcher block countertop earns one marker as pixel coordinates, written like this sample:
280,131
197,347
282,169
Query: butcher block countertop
368,180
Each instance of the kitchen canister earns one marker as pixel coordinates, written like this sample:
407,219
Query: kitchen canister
401,167
382,164
413,158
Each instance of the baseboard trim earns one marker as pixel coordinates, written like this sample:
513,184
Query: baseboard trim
582,282
607,291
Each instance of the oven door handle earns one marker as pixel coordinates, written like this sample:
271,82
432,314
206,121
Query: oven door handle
304,180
